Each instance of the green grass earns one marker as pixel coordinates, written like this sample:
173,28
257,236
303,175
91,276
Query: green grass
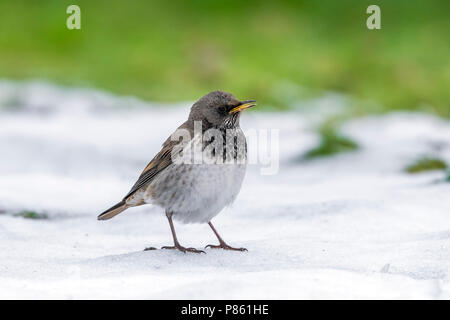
447,178
179,50
331,143
28,214
426,164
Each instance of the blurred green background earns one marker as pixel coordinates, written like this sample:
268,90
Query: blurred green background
276,52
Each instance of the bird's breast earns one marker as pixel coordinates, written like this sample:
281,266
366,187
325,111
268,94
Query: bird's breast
196,192
207,178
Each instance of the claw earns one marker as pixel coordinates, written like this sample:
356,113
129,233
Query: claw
195,250
149,248
225,247
183,249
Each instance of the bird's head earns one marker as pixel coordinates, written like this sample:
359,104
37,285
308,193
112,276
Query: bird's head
219,108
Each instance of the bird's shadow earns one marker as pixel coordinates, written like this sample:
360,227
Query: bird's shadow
160,257
162,260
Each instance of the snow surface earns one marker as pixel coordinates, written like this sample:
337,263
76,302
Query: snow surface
349,226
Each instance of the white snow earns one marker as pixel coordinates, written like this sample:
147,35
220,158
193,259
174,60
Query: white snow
344,227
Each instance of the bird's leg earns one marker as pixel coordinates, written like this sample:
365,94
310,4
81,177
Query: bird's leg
222,244
177,245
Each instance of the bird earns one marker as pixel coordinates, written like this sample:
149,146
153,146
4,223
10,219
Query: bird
193,180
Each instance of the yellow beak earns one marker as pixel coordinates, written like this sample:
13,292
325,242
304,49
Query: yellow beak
244,105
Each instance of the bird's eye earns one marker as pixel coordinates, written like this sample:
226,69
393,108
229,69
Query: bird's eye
223,109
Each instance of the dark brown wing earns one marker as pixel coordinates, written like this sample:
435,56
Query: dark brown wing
161,161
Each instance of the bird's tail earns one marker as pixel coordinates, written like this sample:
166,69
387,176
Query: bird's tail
113,211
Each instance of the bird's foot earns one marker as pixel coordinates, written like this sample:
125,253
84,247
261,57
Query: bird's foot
183,249
150,248
225,247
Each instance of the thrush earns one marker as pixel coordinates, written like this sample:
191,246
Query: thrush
199,170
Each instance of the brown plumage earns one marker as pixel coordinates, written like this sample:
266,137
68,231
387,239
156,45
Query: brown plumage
162,181
113,211
156,165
